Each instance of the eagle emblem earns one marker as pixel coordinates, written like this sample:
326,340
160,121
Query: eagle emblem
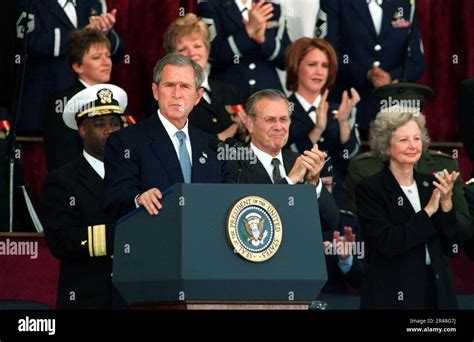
254,225
105,96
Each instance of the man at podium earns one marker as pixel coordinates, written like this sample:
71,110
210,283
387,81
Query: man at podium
268,121
163,150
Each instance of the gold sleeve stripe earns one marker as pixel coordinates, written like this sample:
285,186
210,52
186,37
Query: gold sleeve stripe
99,240
90,241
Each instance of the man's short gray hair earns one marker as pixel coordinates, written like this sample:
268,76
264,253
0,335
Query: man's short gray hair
178,60
386,123
271,94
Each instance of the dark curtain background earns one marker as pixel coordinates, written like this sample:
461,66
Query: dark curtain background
447,30
142,24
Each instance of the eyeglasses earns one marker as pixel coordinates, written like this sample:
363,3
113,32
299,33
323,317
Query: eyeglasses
271,120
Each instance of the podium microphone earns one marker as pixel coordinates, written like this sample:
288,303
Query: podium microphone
243,164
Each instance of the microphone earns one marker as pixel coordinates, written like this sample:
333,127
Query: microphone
243,164
233,150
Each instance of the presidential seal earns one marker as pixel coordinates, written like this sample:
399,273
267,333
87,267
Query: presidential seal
254,228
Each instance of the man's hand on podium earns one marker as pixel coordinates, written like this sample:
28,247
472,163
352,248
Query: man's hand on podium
151,200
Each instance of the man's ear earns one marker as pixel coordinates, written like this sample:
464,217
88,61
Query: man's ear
81,130
154,89
200,93
249,123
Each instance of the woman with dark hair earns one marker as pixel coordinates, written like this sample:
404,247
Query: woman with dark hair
311,67
407,220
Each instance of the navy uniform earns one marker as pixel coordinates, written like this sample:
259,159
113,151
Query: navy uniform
238,59
347,22
77,230
302,124
366,164
47,71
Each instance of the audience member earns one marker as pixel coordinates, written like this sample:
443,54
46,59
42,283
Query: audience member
48,25
248,41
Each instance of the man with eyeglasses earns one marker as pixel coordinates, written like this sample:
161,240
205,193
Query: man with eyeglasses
268,121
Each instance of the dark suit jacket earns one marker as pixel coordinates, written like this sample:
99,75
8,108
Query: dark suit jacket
46,72
256,174
211,117
466,116
141,157
348,22
71,201
395,239
238,59
61,143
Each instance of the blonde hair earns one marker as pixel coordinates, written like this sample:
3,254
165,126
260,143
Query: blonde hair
188,25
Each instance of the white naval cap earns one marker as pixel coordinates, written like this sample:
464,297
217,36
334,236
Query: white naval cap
99,99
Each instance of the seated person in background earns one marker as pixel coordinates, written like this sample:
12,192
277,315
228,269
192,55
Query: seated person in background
248,42
311,66
164,149
268,121
77,230
88,54
190,37
407,220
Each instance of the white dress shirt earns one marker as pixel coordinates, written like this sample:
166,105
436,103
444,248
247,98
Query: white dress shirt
205,84
244,9
96,164
412,194
306,105
70,11
376,13
266,161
